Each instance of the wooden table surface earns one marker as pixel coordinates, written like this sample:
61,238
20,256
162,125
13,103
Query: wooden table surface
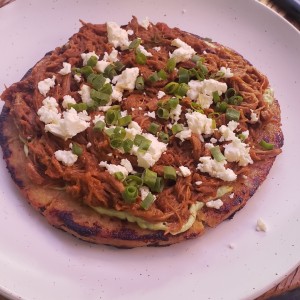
289,288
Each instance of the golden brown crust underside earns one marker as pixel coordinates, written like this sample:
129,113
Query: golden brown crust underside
81,221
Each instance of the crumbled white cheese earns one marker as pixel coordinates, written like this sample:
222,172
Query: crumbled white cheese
117,94
199,182
85,93
208,146
86,56
98,118
157,49
217,204
216,169
226,72
199,123
268,95
89,145
184,134
184,171
133,129
261,225
117,36
231,195
254,116
77,77
213,140
112,169
112,57
144,51
45,85
71,124
152,155
160,94
68,100
66,69
237,151
130,32
175,113
127,165
150,114
145,23
245,134
126,81
48,113
202,91
183,52
67,157
101,65
144,191
228,131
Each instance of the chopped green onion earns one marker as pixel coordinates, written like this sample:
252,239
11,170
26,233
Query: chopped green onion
78,106
163,137
159,185
92,61
112,116
149,178
153,128
96,80
266,145
194,73
163,113
183,75
232,114
216,97
182,89
171,64
135,43
154,77
162,74
99,126
106,89
235,100
229,93
100,97
148,201
213,114
195,58
242,137
86,71
116,143
172,103
217,154
139,83
140,57
109,71
144,145
119,66
138,139
221,106
171,87
109,131
76,149
177,128
127,145
119,132
197,107
124,121
119,176
169,173
130,194
202,69
133,180
213,124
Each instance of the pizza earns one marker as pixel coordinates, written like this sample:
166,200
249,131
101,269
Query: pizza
139,135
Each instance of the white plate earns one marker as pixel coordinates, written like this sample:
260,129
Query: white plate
40,262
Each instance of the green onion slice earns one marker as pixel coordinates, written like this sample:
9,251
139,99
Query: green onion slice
182,89
153,128
163,113
197,107
135,43
221,106
130,194
116,143
177,128
195,58
76,149
163,137
119,66
232,114
148,201
119,132
140,57
169,173
216,97
139,83
171,64
138,139
217,154
99,126
86,71
144,145
119,176
92,61
133,180
162,74
109,131
124,121
171,87
149,178
266,145
112,116
159,185
154,77
109,71
78,106
127,145
100,97
96,80
183,75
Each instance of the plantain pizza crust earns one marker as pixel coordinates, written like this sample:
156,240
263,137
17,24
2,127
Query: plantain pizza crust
139,135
